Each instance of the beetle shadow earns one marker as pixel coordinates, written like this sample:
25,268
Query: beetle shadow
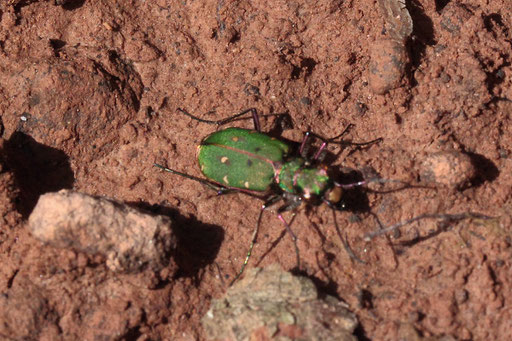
197,243
37,169
325,288
282,122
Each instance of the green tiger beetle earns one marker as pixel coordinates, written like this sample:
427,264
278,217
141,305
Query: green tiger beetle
256,164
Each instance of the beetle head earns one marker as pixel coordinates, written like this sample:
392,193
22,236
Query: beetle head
333,197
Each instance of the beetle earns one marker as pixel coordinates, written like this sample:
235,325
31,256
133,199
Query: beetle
256,164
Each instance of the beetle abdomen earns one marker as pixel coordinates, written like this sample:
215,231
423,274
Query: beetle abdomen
241,158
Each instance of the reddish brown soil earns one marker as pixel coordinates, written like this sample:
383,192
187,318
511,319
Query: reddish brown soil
88,95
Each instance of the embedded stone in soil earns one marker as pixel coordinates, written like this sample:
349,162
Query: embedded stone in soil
270,303
129,239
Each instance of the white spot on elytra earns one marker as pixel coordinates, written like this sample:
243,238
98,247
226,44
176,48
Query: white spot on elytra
224,159
225,179
246,184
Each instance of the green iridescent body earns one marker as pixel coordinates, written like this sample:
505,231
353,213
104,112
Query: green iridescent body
247,159
294,176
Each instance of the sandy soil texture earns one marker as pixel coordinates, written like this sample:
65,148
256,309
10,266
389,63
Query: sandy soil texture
89,98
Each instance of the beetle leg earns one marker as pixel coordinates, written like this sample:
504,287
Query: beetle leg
269,202
290,204
448,217
253,111
303,150
317,154
346,130
344,240
303,145
210,184
326,141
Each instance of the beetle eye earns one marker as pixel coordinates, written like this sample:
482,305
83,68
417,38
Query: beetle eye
334,195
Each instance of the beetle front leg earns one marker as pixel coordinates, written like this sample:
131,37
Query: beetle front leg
304,147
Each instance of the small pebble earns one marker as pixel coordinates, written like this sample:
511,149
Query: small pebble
388,60
453,169
453,17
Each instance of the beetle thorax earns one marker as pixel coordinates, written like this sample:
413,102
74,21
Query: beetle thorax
295,177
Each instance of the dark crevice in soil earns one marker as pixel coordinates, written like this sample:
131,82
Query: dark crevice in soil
133,334
304,69
70,5
492,20
440,4
114,83
2,128
361,334
56,45
486,170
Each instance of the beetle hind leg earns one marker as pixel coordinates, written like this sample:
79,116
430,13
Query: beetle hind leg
219,189
269,202
252,111
291,203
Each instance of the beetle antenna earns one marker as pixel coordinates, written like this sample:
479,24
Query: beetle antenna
447,217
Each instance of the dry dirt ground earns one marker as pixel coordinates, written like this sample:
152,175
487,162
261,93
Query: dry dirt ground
89,91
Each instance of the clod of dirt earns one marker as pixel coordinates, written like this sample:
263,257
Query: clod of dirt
389,59
453,169
271,304
388,56
74,101
453,17
407,331
26,315
129,239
